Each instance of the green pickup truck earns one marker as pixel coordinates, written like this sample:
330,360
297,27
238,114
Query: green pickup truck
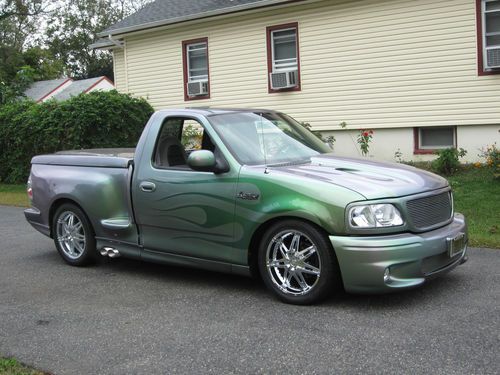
249,192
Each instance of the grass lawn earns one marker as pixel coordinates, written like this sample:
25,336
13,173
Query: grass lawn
476,193
13,195
9,366
477,196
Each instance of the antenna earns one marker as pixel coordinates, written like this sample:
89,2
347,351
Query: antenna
263,140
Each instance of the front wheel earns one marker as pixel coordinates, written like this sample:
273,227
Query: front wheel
297,263
73,235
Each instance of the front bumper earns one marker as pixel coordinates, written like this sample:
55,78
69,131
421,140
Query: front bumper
406,259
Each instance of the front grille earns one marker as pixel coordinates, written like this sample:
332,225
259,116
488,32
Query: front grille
430,211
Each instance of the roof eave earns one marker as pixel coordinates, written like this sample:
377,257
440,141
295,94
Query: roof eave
101,45
149,25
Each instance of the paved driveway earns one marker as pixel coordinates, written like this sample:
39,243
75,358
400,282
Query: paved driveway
124,317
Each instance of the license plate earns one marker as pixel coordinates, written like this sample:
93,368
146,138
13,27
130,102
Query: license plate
456,245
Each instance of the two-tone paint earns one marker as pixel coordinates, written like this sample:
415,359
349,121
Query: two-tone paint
215,221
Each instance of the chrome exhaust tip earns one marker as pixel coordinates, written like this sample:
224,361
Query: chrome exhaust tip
103,252
110,252
113,253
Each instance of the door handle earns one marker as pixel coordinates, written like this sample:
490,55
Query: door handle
147,186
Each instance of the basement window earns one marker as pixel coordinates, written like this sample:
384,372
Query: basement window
430,139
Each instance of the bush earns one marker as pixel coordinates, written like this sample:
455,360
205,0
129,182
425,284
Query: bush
330,140
492,156
447,162
94,120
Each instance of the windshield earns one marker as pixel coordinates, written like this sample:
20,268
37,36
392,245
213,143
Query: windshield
267,138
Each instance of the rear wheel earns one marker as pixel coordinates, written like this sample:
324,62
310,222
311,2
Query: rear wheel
297,263
73,235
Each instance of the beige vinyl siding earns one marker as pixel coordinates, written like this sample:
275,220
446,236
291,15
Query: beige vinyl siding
120,70
370,63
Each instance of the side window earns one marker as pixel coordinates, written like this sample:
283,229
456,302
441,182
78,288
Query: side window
489,39
283,57
192,135
196,70
179,137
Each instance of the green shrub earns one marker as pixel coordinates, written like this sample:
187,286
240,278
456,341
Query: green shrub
447,162
94,120
330,140
492,156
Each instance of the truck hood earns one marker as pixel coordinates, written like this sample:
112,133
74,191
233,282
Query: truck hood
372,179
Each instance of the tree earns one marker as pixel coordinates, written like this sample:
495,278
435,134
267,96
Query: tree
50,38
20,8
20,64
75,25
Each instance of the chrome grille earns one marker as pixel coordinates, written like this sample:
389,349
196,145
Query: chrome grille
430,211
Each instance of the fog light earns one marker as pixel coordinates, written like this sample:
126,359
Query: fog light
387,275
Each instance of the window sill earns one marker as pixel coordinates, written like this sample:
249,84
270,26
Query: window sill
421,151
274,91
188,99
491,72
424,152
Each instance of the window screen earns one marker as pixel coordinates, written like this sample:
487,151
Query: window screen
197,60
284,44
492,23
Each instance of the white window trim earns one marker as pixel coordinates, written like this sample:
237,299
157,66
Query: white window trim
290,65
201,78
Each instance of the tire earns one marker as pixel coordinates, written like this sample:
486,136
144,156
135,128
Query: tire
74,236
298,263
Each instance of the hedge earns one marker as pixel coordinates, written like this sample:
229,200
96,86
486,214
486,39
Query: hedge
94,120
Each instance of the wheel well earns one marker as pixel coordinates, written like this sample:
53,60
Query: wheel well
253,248
55,205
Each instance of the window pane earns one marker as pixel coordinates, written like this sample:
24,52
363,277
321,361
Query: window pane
493,41
493,22
197,61
267,138
493,5
192,135
437,137
285,49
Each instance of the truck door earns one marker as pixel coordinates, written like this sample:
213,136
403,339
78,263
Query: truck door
179,210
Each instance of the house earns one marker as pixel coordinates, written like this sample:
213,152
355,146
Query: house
422,74
65,88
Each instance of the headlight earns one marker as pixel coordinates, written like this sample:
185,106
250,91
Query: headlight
375,216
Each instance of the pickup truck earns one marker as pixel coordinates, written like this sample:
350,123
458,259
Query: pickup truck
250,192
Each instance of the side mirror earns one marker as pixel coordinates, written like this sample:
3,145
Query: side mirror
202,160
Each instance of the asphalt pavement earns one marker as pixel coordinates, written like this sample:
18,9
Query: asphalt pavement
128,317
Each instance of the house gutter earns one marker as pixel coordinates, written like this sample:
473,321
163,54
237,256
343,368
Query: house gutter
150,25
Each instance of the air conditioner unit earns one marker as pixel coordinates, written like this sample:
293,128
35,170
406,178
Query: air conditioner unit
284,80
493,58
197,88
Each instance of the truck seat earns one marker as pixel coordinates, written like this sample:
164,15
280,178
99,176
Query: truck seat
170,153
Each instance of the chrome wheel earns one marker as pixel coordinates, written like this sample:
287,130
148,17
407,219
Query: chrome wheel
70,234
293,262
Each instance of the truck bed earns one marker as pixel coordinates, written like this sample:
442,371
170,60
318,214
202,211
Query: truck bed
98,179
102,158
